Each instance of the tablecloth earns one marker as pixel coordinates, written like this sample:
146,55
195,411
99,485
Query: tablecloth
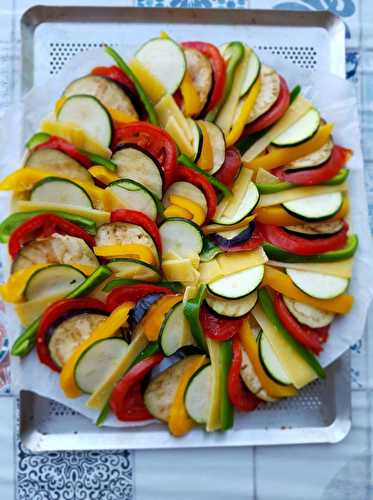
323,472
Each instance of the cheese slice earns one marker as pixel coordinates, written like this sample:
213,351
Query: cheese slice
226,116
267,200
98,216
299,372
298,109
210,271
167,108
265,177
342,268
178,135
239,190
213,418
101,395
180,270
29,311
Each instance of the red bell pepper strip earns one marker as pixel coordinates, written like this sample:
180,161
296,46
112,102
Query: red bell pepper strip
140,219
228,172
312,338
218,327
44,225
316,175
153,139
132,293
178,98
240,397
53,313
255,241
198,180
303,246
218,69
65,147
116,74
126,400
275,112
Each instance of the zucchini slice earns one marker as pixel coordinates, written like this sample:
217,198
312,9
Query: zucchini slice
320,286
96,363
61,191
197,395
233,209
175,331
66,333
133,269
138,165
86,111
181,236
51,280
57,162
308,315
315,208
105,90
270,361
197,141
302,130
165,60
187,190
252,73
217,141
232,308
238,285
134,196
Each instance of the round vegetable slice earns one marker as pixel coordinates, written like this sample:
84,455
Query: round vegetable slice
51,279
238,285
308,315
181,236
269,92
134,196
313,208
197,394
232,308
320,286
271,362
302,130
60,191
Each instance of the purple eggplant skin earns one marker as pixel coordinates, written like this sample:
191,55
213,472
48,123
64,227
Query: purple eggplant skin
242,237
141,308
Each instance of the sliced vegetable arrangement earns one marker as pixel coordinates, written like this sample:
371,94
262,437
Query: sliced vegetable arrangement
179,236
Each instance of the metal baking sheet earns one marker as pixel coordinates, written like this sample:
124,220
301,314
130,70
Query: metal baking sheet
50,37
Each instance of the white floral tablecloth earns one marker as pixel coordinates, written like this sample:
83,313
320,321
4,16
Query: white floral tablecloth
317,472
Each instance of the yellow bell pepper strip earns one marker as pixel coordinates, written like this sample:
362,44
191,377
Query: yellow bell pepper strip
196,210
117,116
133,250
279,281
12,290
104,330
206,159
103,174
175,211
179,422
71,132
282,156
25,178
153,88
251,348
278,216
154,318
191,102
247,106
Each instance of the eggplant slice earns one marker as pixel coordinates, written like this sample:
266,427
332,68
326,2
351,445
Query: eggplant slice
315,159
200,70
268,94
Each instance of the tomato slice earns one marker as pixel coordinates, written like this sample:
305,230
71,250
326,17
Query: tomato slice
132,293
157,142
218,327
276,111
228,172
198,180
316,175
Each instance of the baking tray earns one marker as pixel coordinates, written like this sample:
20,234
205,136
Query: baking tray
50,37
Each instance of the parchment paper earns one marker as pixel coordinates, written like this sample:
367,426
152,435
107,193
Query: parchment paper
335,99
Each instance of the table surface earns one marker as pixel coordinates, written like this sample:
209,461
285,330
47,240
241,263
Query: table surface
314,472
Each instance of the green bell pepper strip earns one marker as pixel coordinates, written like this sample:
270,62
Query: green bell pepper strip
152,115
246,142
268,308
151,349
175,286
14,220
26,341
276,187
36,139
226,407
184,160
276,253
191,312
99,160
237,52
209,250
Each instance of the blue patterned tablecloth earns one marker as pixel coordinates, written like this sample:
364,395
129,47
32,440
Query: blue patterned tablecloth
324,472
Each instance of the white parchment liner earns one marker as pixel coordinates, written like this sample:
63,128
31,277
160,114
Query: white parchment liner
333,96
